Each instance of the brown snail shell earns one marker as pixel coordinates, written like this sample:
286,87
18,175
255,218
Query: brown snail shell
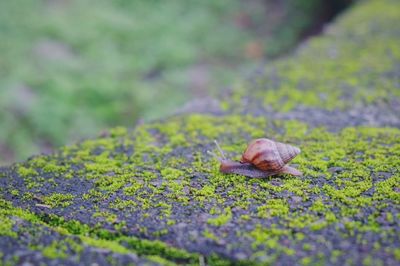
262,158
266,154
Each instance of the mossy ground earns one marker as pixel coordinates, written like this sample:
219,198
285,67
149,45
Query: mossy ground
353,68
147,185
156,193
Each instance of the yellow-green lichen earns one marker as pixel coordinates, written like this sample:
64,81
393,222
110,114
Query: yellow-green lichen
332,71
55,250
26,172
88,237
144,184
58,200
6,225
222,219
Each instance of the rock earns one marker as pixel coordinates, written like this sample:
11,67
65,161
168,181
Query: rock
155,196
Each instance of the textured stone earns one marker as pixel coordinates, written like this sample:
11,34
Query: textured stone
153,195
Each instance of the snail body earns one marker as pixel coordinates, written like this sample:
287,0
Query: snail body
262,158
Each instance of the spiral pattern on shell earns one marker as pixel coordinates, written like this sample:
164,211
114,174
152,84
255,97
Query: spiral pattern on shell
266,154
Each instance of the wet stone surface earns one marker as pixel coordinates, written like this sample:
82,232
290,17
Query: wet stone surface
38,245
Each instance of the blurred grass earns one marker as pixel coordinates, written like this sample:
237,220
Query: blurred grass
69,69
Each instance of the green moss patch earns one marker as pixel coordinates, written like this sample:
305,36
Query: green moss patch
52,238
355,63
149,187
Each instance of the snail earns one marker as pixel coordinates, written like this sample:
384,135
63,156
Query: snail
262,158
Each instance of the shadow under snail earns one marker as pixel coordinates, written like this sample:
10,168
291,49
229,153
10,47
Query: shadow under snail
262,158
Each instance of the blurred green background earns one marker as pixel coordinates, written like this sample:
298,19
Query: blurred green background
71,68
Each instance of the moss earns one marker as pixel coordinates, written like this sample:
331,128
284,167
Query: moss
369,261
95,237
26,172
348,73
58,200
53,168
396,253
318,225
118,132
222,219
385,188
307,247
143,246
107,244
94,195
15,192
318,206
7,209
55,250
110,183
6,226
171,173
205,193
151,181
210,235
107,216
273,207
154,190
123,204
160,260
